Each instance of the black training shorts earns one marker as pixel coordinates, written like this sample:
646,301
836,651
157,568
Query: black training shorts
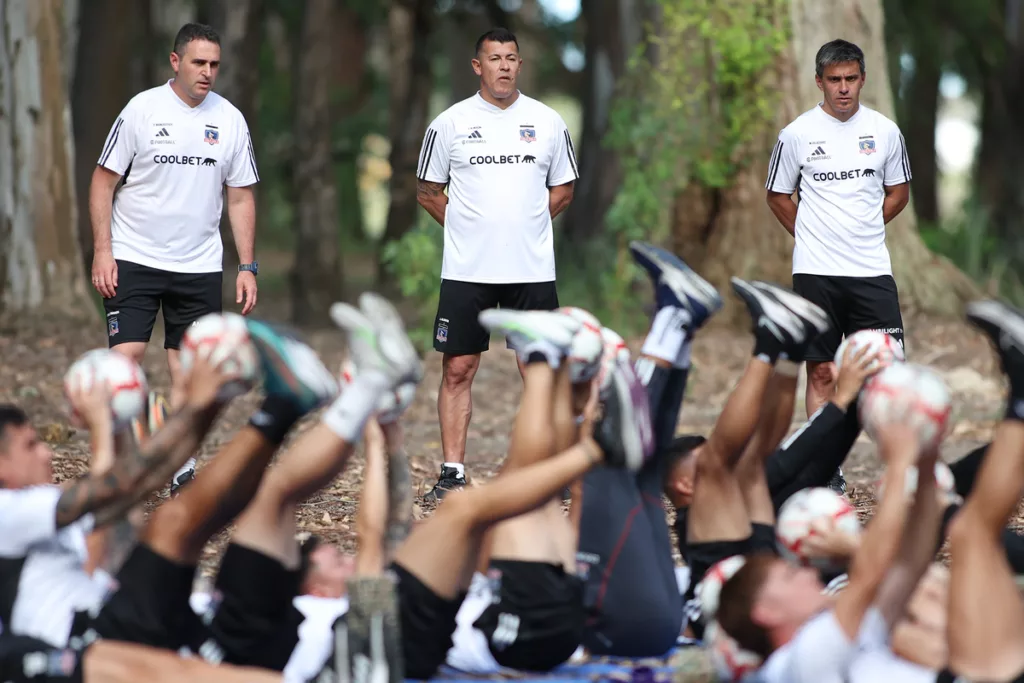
538,620
427,622
458,332
142,291
852,304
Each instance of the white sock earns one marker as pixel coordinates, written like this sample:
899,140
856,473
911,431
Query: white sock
347,416
543,346
190,464
667,337
683,360
457,466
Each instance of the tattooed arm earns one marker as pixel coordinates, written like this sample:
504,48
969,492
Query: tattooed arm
400,491
431,197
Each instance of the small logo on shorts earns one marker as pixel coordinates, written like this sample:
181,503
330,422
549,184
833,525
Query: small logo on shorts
442,331
112,326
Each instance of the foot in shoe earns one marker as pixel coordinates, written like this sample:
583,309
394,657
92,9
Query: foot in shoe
291,368
624,431
1004,325
377,339
776,328
547,332
676,284
815,319
451,479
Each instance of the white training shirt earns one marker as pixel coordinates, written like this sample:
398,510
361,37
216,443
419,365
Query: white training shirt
177,159
43,581
820,652
841,170
498,165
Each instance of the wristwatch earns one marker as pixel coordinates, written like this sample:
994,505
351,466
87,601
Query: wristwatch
253,268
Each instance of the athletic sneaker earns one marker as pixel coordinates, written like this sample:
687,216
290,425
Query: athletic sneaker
524,327
1004,325
181,479
377,339
451,479
791,319
838,482
676,284
156,414
291,367
624,431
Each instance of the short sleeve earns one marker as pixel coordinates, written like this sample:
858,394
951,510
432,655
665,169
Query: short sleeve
563,168
242,171
820,651
121,145
27,516
897,163
435,154
784,166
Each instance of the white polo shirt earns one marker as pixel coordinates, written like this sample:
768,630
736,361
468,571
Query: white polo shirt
841,170
176,160
498,165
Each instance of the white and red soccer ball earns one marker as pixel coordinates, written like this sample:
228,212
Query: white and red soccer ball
710,587
945,482
587,345
798,517
731,662
222,339
125,382
391,404
908,393
886,346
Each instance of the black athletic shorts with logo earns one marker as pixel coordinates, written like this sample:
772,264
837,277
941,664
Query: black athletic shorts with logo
427,622
142,291
251,620
458,332
538,621
28,660
852,304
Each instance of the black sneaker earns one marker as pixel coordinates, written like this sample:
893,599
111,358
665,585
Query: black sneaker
624,431
450,480
838,482
775,311
181,481
1004,325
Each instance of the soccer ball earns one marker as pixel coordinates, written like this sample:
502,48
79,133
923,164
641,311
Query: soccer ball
124,379
731,662
798,515
710,587
615,349
223,339
890,349
391,404
910,393
587,346
944,481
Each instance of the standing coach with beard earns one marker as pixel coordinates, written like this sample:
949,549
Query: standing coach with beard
509,167
157,238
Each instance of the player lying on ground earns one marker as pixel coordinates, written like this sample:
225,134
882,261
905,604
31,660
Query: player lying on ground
779,611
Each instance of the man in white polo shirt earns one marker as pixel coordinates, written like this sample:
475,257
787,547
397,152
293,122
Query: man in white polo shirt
850,166
509,166
157,239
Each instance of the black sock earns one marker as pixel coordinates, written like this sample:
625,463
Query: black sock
1015,404
536,357
766,346
275,418
965,470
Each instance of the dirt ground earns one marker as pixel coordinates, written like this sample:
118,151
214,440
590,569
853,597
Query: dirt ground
35,351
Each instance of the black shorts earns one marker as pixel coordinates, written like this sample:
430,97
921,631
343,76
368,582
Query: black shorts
28,660
947,676
538,620
142,291
762,540
427,623
458,332
852,304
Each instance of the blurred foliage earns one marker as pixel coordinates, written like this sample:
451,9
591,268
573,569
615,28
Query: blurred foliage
415,263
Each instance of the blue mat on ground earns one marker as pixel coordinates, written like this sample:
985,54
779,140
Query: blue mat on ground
598,668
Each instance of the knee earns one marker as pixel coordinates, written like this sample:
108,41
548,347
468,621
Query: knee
821,374
169,527
458,371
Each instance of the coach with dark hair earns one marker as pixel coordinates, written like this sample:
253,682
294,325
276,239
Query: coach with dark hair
509,167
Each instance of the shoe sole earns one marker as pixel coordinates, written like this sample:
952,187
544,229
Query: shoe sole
264,337
774,311
554,327
393,340
637,434
697,288
800,306
998,321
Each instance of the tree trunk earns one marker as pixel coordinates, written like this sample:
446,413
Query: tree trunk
166,17
918,125
409,27
352,88
97,99
316,276
614,28
40,261
732,232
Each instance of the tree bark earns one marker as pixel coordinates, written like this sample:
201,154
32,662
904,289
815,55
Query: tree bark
732,232
352,89
96,98
40,261
918,125
409,26
614,28
316,276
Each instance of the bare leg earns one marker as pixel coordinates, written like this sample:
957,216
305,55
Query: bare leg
442,552
986,614
821,384
455,404
134,350
177,378
113,662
